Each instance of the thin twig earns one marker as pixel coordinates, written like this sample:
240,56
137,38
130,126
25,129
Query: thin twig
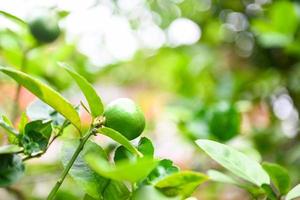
83,140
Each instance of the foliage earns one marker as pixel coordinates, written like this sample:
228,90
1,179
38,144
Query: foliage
234,90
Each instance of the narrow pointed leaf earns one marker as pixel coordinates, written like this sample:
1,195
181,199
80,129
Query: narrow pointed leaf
46,94
235,161
118,137
94,101
7,126
13,17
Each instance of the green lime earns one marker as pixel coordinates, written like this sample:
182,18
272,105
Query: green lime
125,116
224,121
44,28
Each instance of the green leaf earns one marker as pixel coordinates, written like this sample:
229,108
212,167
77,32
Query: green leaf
7,126
269,191
293,193
36,136
235,161
182,183
122,154
164,168
7,121
94,101
92,183
146,147
13,17
116,190
279,177
9,149
277,31
118,137
221,177
11,169
151,193
132,171
22,123
46,94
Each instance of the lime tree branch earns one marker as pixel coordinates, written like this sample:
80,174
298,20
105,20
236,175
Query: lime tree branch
83,140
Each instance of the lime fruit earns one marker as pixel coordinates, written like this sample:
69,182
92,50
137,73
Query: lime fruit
44,27
124,116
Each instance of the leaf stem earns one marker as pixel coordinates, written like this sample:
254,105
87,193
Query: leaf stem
83,140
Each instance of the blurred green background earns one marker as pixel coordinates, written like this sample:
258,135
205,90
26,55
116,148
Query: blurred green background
223,70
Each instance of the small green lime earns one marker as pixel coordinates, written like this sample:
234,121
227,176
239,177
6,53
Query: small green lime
125,116
44,28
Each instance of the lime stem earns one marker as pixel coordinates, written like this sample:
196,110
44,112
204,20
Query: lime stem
83,140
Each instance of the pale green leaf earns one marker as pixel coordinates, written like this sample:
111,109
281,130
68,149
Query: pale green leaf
293,193
235,161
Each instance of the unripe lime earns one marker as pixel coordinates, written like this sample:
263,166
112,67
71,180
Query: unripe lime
125,116
44,27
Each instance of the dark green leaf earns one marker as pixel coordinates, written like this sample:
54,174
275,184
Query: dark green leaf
235,161
269,191
164,168
182,183
46,94
36,136
146,147
279,177
89,92
11,169
132,171
122,154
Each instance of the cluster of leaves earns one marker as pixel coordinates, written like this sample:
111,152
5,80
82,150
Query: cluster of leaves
270,181
99,178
